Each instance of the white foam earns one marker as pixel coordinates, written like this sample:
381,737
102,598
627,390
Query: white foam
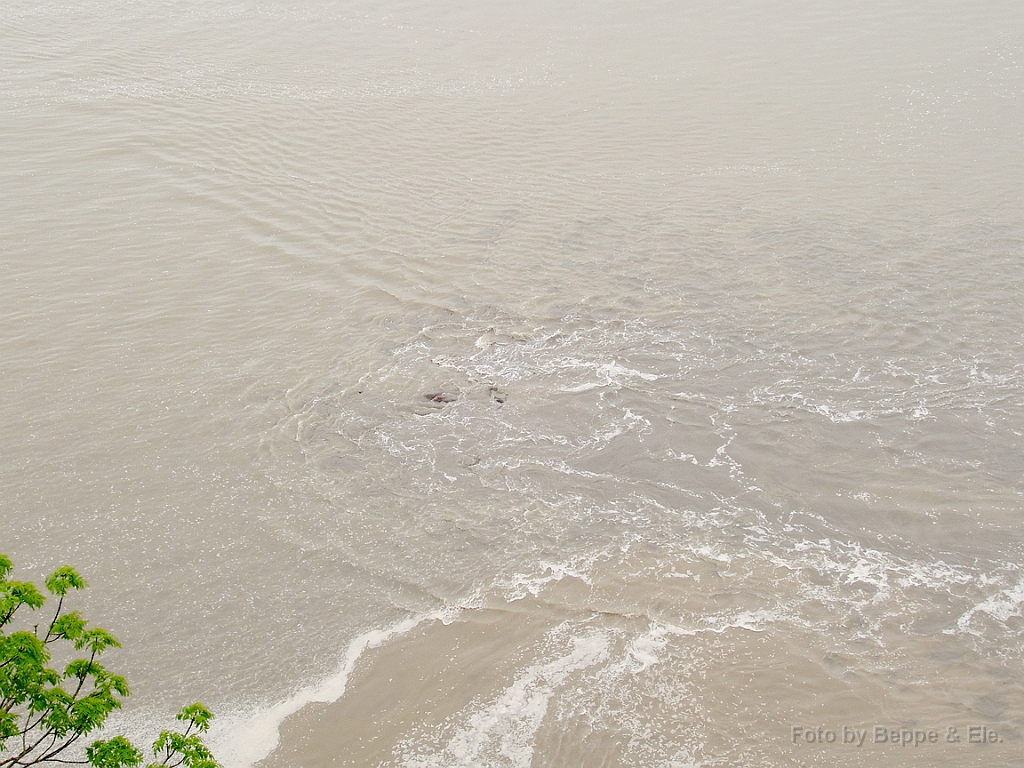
644,651
1001,606
246,743
502,732
871,573
520,585
713,554
613,371
609,375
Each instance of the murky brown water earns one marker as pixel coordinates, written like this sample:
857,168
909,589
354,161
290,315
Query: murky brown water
529,384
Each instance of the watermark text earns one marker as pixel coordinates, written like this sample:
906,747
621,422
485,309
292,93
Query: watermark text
854,736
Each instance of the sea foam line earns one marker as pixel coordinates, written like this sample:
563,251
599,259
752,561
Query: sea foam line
254,739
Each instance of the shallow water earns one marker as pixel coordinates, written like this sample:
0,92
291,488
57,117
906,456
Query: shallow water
542,384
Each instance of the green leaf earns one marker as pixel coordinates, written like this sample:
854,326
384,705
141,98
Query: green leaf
96,640
118,752
89,713
39,706
8,727
70,626
24,676
22,593
81,668
196,714
25,648
190,749
64,579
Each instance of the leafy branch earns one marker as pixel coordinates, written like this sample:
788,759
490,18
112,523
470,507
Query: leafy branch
45,713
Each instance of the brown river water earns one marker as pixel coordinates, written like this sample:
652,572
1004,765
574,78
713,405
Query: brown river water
423,383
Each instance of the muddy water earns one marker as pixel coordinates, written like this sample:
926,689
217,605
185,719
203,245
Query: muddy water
542,384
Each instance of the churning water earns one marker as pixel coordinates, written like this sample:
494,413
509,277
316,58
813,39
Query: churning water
528,383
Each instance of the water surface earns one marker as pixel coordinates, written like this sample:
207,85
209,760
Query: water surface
541,383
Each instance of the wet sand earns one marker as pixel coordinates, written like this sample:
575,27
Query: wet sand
456,694
414,684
